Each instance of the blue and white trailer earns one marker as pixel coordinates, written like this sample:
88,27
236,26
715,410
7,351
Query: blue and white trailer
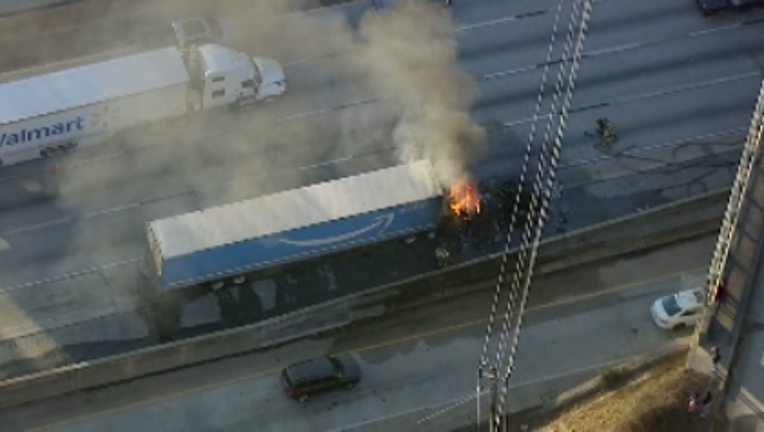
220,243
53,113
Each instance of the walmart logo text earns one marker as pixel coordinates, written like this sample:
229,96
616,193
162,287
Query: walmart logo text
28,135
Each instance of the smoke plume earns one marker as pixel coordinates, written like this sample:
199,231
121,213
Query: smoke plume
410,50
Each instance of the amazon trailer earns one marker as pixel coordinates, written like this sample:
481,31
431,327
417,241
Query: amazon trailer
49,114
211,247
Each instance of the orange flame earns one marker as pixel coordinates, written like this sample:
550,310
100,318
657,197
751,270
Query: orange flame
464,200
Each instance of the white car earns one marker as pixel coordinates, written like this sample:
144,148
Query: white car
678,310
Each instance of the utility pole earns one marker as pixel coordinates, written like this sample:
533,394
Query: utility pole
495,413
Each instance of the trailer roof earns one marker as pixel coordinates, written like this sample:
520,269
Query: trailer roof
294,209
89,84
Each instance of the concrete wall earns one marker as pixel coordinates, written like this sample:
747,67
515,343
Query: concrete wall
660,226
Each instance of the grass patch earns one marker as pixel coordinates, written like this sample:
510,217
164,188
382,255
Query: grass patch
654,401
614,376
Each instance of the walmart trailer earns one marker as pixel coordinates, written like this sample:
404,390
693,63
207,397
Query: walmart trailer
49,114
219,243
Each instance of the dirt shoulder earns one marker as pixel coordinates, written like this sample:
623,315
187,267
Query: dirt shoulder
650,400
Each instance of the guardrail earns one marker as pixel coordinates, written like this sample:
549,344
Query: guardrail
663,225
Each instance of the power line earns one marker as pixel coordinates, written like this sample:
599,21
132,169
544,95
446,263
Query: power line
530,217
542,186
483,362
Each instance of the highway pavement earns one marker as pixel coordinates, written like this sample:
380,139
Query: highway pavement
417,364
677,86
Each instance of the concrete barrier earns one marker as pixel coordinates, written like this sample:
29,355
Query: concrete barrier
675,222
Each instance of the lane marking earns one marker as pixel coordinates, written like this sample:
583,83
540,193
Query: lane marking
640,150
32,186
499,21
618,49
73,275
640,97
4,245
39,226
361,349
458,30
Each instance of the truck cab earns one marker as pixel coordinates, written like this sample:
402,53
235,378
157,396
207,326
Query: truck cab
222,76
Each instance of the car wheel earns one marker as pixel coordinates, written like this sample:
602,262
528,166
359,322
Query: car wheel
303,398
679,326
350,386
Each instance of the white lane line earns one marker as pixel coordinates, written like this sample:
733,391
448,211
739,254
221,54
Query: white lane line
639,150
642,96
32,186
39,226
94,214
73,275
329,109
459,30
111,210
532,67
499,21
632,46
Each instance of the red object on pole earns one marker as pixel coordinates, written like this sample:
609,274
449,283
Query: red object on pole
720,293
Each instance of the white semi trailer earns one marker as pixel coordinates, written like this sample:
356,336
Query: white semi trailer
50,114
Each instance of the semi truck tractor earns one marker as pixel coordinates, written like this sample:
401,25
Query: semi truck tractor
210,249
50,114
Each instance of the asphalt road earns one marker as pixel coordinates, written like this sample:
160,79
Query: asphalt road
418,365
678,87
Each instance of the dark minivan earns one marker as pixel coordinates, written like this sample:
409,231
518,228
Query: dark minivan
711,7
318,375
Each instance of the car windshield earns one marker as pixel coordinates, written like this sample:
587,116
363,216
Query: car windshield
670,305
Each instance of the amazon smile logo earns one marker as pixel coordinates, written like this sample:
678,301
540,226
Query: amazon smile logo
381,223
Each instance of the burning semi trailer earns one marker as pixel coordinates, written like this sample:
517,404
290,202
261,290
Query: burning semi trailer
476,216
461,210
464,200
